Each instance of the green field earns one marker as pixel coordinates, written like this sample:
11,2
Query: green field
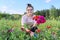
52,33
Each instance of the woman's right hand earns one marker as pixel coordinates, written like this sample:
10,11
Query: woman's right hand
27,30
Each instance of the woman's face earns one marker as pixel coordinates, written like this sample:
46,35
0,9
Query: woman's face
29,10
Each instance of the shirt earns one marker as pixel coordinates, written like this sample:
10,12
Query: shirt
27,20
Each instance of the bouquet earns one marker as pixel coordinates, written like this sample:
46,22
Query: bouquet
39,19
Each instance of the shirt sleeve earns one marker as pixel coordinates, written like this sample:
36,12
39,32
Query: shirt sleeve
23,20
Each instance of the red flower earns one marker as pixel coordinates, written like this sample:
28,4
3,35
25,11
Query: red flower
22,29
48,27
39,19
38,30
35,17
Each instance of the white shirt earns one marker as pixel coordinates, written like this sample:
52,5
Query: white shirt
27,20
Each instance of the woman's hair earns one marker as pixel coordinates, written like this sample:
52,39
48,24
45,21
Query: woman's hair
29,5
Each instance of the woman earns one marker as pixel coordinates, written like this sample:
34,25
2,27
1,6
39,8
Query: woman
27,18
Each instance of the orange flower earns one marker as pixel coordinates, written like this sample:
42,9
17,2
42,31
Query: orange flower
38,30
35,17
48,27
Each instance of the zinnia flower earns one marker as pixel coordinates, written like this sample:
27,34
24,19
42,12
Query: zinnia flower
42,19
48,27
39,19
10,30
35,17
38,30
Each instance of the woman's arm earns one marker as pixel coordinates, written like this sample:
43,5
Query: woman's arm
35,24
23,21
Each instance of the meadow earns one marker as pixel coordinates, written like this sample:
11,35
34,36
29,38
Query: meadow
11,30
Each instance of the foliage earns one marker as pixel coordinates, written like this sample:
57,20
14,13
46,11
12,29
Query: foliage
10,30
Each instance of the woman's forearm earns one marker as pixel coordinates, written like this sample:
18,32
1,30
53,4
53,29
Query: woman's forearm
34,24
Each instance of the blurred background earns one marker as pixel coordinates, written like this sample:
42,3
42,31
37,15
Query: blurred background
14,9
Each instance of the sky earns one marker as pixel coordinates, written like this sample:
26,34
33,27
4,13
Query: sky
19,6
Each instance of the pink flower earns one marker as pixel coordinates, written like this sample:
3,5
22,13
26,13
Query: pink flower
39,19
42,19
11,30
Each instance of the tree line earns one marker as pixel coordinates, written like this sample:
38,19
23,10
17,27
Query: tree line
52,13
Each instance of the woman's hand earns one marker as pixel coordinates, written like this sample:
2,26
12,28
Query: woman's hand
27,30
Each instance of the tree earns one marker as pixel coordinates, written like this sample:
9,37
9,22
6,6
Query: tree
37,12
53,12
